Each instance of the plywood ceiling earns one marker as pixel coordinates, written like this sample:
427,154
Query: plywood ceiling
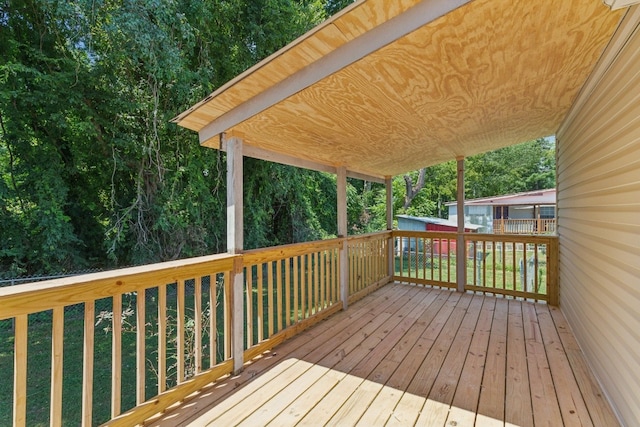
488,74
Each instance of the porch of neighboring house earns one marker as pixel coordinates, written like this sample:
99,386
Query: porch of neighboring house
532,212
413,355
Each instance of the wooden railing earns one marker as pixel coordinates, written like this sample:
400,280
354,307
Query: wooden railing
518,266
524,226
129,343
514,265
134,340
288,288
368,257
137,340
425,258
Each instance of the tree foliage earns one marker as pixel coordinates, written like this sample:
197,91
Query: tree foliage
92,172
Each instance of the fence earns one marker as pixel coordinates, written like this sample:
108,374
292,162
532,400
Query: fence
425,258
132,342
518,266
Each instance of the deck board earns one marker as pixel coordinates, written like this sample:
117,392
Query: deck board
408,355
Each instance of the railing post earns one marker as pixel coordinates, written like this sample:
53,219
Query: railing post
553,288
342,232
390,241
460,243
235,242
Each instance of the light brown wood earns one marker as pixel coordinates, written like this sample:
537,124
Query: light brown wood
21,327
572,407
258,256
248,306
465,401
492,394
382,362
599,409
270,296
42,296
181,318
369,123
161,402
116,356
517,409
288,284
279,295
57,354
213,319
296,283
162,338
87,362
544,401
197,321
259,303
141,356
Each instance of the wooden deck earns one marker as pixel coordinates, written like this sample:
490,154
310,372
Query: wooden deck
408,355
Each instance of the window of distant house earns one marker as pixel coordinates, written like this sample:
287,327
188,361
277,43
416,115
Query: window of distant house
501,212
547,212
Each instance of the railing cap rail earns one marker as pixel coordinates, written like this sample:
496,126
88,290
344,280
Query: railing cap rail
34,297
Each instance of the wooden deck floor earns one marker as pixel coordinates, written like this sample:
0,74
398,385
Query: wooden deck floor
409,355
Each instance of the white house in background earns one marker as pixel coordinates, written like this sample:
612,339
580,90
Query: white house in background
532,212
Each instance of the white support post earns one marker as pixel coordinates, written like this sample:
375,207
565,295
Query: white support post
235,242
461,262
342,232
390,242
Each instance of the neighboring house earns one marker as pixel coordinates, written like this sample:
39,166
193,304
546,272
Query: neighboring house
423,223
532,212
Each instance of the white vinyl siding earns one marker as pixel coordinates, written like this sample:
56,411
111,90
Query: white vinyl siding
599,223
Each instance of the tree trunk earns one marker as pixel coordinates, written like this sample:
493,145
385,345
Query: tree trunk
413,190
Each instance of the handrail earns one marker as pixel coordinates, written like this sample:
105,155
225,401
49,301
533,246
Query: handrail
425,257
286,289
368,256
525,226
123,302
40,296
522,266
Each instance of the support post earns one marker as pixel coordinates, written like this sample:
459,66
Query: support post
461,262
235,242
342,232
390,242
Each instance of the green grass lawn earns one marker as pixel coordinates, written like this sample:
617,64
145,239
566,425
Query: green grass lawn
496,270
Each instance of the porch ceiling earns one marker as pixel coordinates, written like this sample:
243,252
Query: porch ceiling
388,87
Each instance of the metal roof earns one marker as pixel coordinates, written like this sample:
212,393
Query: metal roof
538,197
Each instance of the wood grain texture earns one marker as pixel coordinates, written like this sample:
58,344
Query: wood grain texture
489,74
20,346
35,297
402,355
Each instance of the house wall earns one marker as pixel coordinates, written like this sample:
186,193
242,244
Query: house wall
410,224
517,212
598,149
475,214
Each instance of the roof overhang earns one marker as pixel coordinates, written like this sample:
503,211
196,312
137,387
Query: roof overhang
384,87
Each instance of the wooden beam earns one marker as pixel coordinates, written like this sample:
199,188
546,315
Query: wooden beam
460,247
347,54
365,177
235,211
235,242
342,232
275,157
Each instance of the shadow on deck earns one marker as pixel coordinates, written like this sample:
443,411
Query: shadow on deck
409,355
